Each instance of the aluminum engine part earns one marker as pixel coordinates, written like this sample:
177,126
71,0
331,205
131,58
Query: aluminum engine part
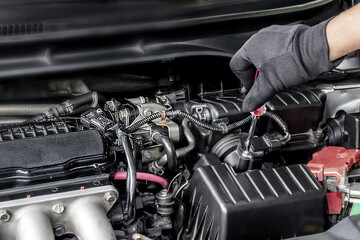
343,95
81,212
350,191
147,109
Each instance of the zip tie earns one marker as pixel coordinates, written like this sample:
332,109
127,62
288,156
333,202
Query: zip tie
224,127
119,133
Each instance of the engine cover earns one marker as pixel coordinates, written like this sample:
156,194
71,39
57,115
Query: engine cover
259,204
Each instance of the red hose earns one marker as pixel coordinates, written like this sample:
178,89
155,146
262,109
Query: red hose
143,176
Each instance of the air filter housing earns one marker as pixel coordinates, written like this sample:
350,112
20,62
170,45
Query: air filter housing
259,204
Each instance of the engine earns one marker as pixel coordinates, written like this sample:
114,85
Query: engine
178,161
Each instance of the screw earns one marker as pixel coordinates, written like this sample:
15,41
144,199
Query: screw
5,216
110,197
58,208
59,230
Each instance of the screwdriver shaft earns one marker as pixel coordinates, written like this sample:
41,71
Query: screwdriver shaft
254,119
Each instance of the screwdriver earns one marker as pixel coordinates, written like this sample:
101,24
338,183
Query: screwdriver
255,115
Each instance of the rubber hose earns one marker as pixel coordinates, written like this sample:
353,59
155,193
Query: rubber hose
169,149
82,100
143,176
131,175
66,107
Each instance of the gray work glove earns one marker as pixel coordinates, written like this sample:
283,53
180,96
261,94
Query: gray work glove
286,56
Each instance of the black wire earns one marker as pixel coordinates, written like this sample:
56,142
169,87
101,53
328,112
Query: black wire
177,113
222,128
130,178
278,120
141,122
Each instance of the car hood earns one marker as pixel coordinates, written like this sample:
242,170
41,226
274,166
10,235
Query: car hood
42,37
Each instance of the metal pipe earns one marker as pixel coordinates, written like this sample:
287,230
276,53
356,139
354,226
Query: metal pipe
33,224
138,236
181,151
89,220
26,109
66,107
169,149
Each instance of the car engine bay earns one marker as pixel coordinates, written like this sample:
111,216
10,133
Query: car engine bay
162,151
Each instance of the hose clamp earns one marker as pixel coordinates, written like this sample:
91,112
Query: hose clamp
155,168
119,133
68,107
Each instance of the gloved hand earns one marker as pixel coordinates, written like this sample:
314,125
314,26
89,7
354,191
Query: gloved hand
285,56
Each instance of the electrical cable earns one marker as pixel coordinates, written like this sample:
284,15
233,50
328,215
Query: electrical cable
222,128
131,175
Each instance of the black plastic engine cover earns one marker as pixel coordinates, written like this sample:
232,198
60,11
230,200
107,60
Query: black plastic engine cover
228,108
40,159
259,204
288,104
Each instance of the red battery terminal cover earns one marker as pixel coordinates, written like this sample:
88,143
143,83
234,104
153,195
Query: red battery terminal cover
330,162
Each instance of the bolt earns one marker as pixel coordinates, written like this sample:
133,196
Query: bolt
96,183
59,230
148,155
110,197
163,193
147,112
58,208
5,216
318,133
